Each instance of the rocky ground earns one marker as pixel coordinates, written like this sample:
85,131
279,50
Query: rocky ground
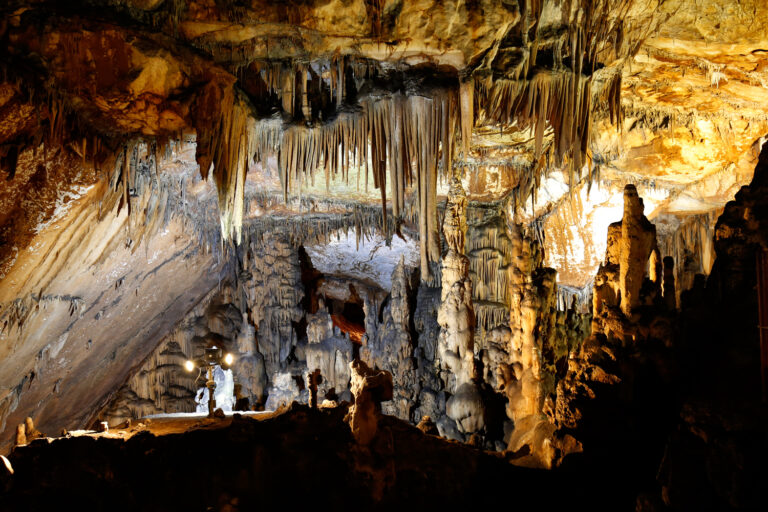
300,458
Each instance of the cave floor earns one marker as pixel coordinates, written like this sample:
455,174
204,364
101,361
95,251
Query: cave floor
161,425
294,457
302,457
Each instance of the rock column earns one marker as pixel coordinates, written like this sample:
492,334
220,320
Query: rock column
670,298
638,239
390,347
457,321
249,370
456,315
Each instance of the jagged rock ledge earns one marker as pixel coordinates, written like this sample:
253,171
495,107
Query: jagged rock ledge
302,457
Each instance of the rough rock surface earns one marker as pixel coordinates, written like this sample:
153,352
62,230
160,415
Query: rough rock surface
259,462
108,287
329,351
391,347
370,388
303,115
274,293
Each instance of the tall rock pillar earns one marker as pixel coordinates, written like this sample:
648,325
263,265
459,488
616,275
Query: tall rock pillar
638,240
456,316
457,321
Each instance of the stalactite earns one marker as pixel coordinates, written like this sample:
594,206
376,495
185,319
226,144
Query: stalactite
16,313
407,140
564,97
691,247
561,99
569,297
233,151
490,253
490,315
397,135
319,227
611,97
466,100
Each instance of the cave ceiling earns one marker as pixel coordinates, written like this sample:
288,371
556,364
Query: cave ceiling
567,100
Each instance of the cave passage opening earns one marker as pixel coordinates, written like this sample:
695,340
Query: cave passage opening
349,318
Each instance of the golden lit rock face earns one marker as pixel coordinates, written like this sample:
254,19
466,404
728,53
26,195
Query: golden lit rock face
416,31
695,96
694,101
517,61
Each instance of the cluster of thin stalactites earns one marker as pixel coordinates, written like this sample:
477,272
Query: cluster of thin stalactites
400,144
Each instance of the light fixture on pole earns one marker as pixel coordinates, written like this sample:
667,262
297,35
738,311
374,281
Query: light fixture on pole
212,357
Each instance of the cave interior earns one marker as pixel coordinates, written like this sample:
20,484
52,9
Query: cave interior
461,253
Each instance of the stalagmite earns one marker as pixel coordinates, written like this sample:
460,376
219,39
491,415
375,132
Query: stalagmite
390,346
655,267
638,239
456,315
249,370
30,431
313,378
370,388
21,435
691,243
618,286
668,286
521,356
455,345
532,297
